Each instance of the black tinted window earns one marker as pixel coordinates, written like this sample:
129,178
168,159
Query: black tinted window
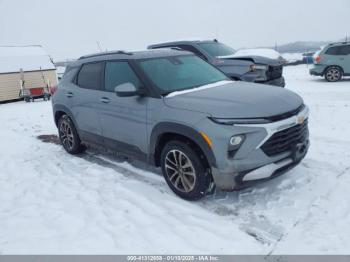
118,73
90,76
344,50
339,50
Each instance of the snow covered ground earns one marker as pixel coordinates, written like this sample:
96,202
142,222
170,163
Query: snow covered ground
53,203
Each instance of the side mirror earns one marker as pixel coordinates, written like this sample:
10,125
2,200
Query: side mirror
126,90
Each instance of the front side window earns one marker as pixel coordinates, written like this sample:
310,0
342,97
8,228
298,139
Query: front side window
117,73
177,73
217,49
90,76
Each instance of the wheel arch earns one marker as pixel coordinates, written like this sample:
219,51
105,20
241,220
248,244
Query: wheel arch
167,131
330,66
60,110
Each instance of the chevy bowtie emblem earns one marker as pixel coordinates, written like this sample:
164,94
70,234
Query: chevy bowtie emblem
300,120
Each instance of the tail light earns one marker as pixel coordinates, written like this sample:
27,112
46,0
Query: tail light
317,59
53,90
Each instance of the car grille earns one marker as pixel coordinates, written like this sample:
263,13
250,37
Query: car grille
284,140
274,72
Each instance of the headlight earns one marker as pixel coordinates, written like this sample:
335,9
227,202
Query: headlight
239,121
258,67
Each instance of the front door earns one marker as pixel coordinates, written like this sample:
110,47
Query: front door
123,119
85,101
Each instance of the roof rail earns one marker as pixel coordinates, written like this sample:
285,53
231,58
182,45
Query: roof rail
119,52
177,48
337,43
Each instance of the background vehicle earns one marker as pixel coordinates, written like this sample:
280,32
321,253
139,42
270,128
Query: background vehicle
172,109
250,68
332,62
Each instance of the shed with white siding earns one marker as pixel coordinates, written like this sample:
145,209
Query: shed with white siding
38,70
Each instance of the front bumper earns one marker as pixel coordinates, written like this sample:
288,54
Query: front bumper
232,181
255,166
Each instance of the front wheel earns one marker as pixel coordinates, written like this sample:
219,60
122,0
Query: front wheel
69,136
333,74
184,171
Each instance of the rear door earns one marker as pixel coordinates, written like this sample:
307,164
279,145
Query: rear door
86,100
123,119
344,56
338,55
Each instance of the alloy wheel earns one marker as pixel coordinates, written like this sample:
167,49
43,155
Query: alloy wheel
180,171
66,135
333,74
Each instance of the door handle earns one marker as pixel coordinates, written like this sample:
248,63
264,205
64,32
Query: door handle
105,100
69,94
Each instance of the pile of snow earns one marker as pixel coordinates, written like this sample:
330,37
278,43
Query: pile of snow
293,57
264,52
27,58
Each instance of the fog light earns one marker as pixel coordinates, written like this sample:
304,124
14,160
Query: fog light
236,140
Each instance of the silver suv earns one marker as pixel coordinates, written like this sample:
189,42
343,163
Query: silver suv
332,62
172,109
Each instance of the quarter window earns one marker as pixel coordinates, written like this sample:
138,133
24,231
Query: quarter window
90,76
118,73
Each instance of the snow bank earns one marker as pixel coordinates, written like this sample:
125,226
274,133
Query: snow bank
293,57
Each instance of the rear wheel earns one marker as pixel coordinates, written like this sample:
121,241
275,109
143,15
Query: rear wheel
184,171
69,136
333,74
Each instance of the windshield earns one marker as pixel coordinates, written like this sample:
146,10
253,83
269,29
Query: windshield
177,73
217,49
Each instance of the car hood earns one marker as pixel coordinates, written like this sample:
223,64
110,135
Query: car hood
236,100
254,59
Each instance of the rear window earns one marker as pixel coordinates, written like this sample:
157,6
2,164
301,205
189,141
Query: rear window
90,76
217,49
339,50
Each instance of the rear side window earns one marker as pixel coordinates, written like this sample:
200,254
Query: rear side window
344,50
118,73
339,50
90,76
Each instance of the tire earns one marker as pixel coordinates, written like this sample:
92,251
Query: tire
333,74
69,136
193,180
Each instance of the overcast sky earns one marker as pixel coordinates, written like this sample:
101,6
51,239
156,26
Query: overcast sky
70,28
